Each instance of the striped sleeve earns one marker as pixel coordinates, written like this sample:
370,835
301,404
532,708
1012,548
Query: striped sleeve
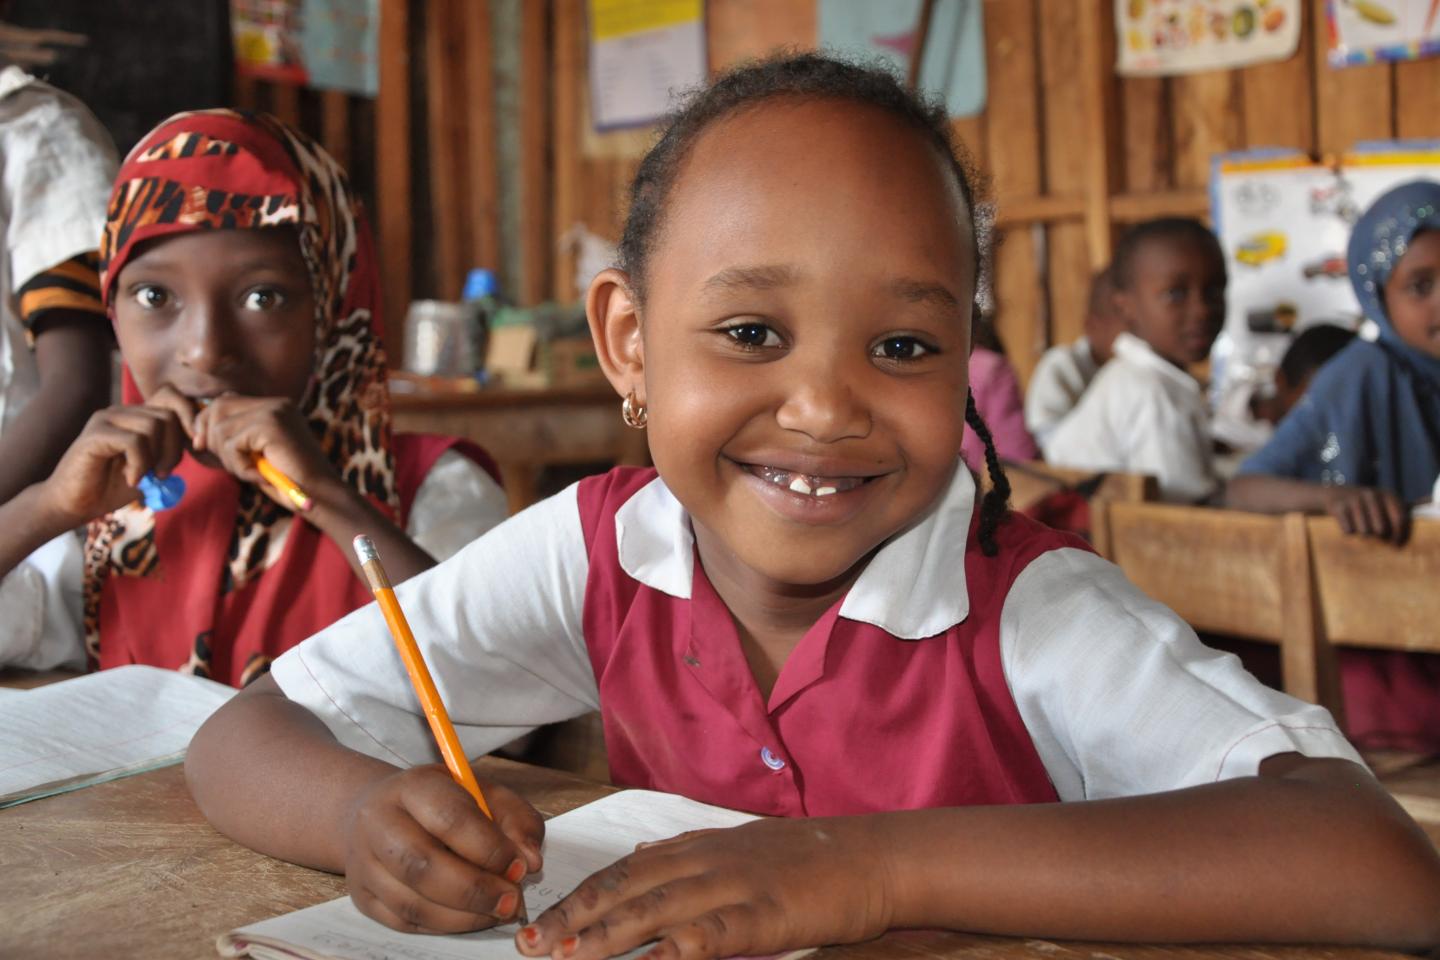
71,286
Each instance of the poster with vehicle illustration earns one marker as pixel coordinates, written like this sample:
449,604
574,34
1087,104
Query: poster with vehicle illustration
1284,224
1166,37
1364,31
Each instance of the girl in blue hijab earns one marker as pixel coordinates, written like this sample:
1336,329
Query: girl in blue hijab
1363,444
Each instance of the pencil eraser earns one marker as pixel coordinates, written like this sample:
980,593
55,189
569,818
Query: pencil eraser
162,494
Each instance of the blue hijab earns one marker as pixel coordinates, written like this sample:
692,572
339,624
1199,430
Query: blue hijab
1371,416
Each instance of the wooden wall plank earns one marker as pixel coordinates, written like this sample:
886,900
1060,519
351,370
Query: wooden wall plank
567,133
535,240
446,145
1146,130
1278,99
1097,76
285,103
1417,99
1063,109
393,171
738,30
481,160
1014,151
335,125
1206,109
1351,103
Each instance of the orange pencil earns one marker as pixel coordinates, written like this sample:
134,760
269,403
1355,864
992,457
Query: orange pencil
284,484
430,702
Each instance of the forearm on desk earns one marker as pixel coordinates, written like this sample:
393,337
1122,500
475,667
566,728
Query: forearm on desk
268,774
1315,854
1260,493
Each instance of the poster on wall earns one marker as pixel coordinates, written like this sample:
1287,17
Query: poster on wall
340,44
1284,225
953,68
1169,37
643,53
1366,31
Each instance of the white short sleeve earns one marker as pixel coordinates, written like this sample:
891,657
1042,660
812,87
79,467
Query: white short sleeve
499,625
1120,696
457,502
40,608
59,165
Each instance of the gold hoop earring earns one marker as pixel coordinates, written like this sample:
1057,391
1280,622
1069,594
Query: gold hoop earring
633,412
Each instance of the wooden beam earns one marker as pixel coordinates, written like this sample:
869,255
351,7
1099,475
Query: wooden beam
568,129
1134,207
392,166
535,240
484,196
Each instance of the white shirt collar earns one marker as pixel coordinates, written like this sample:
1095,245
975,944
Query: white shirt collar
1132,349
913,587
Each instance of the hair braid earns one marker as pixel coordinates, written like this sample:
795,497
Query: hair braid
996,502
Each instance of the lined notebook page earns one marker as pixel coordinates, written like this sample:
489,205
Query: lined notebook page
576,845
98,727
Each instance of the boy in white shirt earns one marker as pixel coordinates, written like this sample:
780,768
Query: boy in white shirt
1143,413
1066,369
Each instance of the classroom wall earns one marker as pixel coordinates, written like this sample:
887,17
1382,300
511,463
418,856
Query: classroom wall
1073,152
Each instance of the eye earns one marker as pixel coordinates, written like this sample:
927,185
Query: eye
151,297
1422,285
262,299
901,348
1175,295
752,335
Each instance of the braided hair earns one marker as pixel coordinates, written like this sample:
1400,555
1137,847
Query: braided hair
996,502
808,76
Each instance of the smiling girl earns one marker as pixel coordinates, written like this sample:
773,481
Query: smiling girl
239,275
802,611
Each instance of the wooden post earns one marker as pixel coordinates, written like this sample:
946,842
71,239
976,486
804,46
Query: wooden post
444,119
535,239
1097,39
392,171
335,125
484,200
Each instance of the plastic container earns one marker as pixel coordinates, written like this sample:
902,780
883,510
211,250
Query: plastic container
482,296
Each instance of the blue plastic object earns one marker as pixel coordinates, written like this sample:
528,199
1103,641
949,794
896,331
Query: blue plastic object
480,283
162,494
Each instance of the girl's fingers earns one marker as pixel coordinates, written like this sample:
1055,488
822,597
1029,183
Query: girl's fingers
184,409
418,862
725,932
381,897
624,925
450,815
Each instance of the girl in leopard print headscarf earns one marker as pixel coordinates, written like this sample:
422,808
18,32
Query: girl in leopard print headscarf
226,361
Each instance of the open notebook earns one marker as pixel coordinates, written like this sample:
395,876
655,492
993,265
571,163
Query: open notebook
576,845
99,727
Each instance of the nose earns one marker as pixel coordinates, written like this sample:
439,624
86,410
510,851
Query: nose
204,343
821,400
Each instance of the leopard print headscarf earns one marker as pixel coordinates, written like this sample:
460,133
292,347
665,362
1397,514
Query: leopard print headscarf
224,170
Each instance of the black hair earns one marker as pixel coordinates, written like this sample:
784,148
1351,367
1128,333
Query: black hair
1122,267
996,502
807,76
1310,349
789,76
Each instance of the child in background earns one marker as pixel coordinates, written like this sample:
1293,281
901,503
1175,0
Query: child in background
56,166
806,610
1311,349
1065,371
997,399
1363,444
240,277
1144,413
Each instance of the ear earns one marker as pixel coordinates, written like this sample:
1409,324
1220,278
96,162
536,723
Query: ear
1123,302
614,314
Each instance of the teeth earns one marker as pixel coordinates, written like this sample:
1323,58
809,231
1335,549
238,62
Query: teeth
800,486
824,491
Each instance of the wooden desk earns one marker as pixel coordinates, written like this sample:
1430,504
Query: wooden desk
131,869
525,430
